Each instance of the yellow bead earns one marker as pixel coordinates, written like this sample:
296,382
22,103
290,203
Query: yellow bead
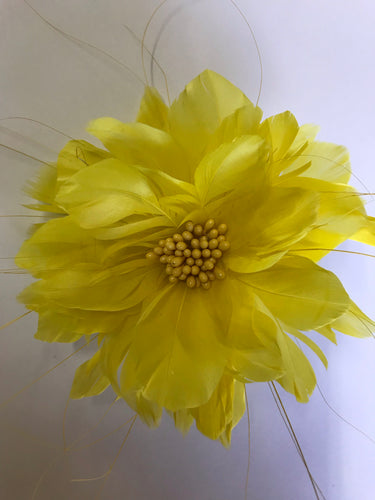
220,238
158,251
206,285
195,243
190,282
222,228
196,253
195,270
177,237
213,233
210,223
206,253
190,261
182,277
177,261
169,269
163,259
161,243
189,226
219,273
198,262
198,230
178,253
209,265
151,255
187,235
203,277
181,245
177,271
170,245
203,243
216,254
186,269
212,243
173,279
187,252
224,245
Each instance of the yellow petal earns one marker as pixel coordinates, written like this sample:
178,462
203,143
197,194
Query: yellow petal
153,111
306,134
317,239
328,162
250,327
341,214
137,232
367,232
167,185
176,359
177,206
299,378
238,164
183,420
260,365
354,323
306,340
149,411
57,244
253,337
106,193
199,110
238,410
286,166
116,345
176,197
328,333
75,156
89,379
55,326
90,287
260,238
300,293
280,132
44,189
244,121
139,144
213,417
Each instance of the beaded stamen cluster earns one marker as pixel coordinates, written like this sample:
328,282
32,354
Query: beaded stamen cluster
192,256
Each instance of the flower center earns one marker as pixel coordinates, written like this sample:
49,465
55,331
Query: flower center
193,255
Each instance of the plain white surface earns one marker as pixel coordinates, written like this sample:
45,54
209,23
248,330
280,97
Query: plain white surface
318,62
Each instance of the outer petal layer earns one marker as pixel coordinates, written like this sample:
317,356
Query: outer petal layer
176,359
200,109
139,144
259,238
224,407
299,292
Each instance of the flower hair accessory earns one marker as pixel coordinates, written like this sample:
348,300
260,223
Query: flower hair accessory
189,243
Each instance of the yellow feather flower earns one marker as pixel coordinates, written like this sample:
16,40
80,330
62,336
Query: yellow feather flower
190,246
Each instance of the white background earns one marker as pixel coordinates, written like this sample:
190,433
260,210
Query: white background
318,60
